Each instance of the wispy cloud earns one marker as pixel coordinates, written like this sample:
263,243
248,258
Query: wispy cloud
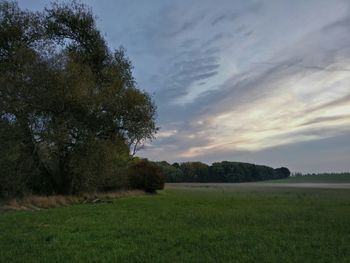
298,95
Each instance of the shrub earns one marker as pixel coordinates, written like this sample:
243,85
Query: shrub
146,176
282,172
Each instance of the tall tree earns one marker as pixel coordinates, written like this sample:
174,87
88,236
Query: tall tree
68,92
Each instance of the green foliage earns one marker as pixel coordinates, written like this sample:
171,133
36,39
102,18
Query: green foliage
147,176
16,166
171,173
244,172
282,172
100,166
220,172
195,171
73,102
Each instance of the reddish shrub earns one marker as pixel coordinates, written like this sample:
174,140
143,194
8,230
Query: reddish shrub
147,176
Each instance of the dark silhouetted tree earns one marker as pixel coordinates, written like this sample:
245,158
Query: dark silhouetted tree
67,97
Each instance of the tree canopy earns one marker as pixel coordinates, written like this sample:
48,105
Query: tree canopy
69,106
220,172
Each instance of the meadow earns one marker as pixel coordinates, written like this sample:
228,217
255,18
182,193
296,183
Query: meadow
187,225
322,178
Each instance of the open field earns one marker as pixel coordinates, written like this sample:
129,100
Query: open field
315,179
213,224
258,185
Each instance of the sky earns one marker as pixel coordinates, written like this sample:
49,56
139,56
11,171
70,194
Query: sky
264,82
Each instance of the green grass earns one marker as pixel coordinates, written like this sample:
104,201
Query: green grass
213,225
315,179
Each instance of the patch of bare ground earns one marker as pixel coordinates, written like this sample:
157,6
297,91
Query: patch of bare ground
35,202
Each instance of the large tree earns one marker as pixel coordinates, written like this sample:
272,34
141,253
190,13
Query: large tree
68,95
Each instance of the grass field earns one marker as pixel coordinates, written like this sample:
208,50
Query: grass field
315,179
202,225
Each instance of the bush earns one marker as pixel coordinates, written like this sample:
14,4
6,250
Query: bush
282,172
146,176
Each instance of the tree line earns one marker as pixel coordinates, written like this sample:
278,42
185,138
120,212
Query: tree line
299,174
223,172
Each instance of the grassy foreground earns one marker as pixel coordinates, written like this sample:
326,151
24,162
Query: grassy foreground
207,225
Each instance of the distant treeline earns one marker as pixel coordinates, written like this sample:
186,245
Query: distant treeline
298,174
233,172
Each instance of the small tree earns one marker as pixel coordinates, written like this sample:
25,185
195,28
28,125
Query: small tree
147,176
282,172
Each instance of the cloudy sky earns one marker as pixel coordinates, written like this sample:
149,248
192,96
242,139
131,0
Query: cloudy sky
257,81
